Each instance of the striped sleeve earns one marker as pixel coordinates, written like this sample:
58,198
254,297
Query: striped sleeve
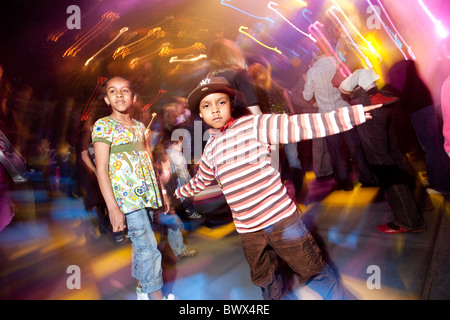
199,182
281,128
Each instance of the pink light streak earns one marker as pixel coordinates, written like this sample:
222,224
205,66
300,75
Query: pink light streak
411,53
341,66
271,3
440,29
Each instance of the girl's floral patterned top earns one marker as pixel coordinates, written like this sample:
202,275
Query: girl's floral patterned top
130,167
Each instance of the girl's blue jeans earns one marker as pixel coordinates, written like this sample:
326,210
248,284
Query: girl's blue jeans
146,258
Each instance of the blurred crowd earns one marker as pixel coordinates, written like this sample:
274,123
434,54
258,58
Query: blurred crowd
55,144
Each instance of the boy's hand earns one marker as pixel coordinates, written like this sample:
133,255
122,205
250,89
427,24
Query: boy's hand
368,108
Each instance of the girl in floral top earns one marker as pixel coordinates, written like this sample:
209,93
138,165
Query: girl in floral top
128,183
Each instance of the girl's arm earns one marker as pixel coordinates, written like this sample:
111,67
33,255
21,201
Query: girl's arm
116,215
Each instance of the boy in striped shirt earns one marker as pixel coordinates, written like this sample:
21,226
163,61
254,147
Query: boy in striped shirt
237,155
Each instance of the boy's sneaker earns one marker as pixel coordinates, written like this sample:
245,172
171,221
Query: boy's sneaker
187,253
141,295
170,296
378,98
192,214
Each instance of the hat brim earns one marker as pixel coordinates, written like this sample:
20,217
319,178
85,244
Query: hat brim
197,95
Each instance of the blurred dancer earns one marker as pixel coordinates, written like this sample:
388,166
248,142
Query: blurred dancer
88,181
417,102
445,105
175,142
228,61
274,99
318,85
395,174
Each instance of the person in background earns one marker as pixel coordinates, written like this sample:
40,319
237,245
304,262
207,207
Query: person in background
227,60
274,99
318,85
394,173
445,105
88,180
416,101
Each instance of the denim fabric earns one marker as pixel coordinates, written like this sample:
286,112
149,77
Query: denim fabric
292,155
146,258
173,224
289,240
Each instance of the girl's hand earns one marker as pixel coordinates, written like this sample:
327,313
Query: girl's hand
166,203
117,219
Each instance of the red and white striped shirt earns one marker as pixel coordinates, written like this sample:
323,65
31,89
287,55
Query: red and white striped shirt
239,158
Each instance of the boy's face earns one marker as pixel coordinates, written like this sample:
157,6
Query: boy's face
119,94
215,109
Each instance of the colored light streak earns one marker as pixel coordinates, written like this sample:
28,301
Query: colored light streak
368,44
165,51
176,59
125,29
241,30
302,2
359,53
151,36
271,3
156,98
87,108
108,18
240,10
54,36
440,29
306,11
340,65
389,32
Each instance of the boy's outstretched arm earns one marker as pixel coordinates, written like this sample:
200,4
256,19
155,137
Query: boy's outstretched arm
273,129
199,182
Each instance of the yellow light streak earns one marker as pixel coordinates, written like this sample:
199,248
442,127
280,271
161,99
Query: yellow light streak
165,51
354,45
176,59
351,24
137,45
125,29
241,30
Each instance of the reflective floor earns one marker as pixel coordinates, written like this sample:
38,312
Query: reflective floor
38,255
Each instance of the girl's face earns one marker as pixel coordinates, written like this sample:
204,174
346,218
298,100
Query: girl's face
215,109
119,95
